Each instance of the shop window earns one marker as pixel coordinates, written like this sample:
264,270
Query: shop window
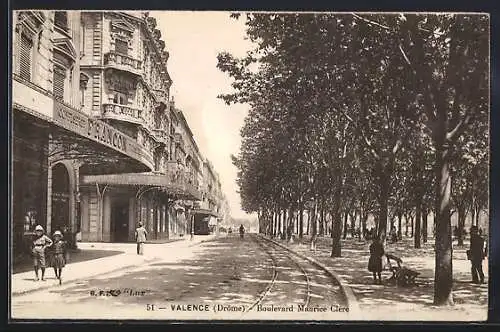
121,46
61,20
25,57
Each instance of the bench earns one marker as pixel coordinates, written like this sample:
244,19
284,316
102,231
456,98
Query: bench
402,275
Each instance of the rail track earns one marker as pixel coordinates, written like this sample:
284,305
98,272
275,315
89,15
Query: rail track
313,282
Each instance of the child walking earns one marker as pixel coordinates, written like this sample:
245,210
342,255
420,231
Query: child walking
40,243
59,255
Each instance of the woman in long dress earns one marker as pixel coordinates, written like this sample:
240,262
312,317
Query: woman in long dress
375,261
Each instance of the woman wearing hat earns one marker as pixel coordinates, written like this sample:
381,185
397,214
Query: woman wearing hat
40,243
59,254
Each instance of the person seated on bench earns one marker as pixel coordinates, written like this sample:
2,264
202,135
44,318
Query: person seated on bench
402,275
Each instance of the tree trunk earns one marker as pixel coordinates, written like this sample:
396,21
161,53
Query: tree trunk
345,226
424,225
383,205
400,226
308,226
301,222
314,227
412,224
461,225
353,224
278,227
284,232
363,222
336,225
478,214
407,224
443,281
321,221
418,218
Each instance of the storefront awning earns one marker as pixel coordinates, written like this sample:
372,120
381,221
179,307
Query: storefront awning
162,182
205,212
66,144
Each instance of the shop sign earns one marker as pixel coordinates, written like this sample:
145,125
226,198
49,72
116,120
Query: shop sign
97,130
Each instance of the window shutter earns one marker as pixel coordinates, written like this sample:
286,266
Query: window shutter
58,85
61,20
25,57
121,46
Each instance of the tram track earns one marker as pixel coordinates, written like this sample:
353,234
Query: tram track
319,284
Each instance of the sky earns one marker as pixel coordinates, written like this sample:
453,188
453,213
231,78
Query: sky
193,40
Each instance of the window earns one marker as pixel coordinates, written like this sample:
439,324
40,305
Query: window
58,82
83,86
25,57
120,98
61,20
121,46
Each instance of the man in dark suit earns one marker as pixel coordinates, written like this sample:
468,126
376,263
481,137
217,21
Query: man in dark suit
476,254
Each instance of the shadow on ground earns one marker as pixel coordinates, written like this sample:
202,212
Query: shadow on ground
352,267
75,256
229,271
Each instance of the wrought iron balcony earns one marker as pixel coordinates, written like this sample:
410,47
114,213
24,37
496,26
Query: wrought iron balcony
122,113
123,62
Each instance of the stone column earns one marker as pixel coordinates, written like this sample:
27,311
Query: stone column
132,220
106,218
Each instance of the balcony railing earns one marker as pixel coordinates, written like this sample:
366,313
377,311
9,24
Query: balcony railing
161,135
123,62
122,112
161,95
178,177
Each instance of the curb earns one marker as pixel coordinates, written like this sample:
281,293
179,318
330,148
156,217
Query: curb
28,291
352,302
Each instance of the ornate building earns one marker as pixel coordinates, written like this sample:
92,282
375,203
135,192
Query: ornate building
55,141
98,145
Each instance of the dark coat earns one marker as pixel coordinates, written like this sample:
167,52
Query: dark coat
375,261
477,252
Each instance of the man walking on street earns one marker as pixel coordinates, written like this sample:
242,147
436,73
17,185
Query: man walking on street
140,238
476,254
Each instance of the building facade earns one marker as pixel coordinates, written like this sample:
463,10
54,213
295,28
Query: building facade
55,141
98,144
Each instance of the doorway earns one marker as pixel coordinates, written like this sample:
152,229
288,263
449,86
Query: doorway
119,221
60,199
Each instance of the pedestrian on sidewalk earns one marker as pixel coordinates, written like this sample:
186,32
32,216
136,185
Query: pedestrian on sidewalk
476,254
38,247
375,260
58,254
140,238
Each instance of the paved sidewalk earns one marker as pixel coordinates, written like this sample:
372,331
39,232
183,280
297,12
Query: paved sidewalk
389,302
22,283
